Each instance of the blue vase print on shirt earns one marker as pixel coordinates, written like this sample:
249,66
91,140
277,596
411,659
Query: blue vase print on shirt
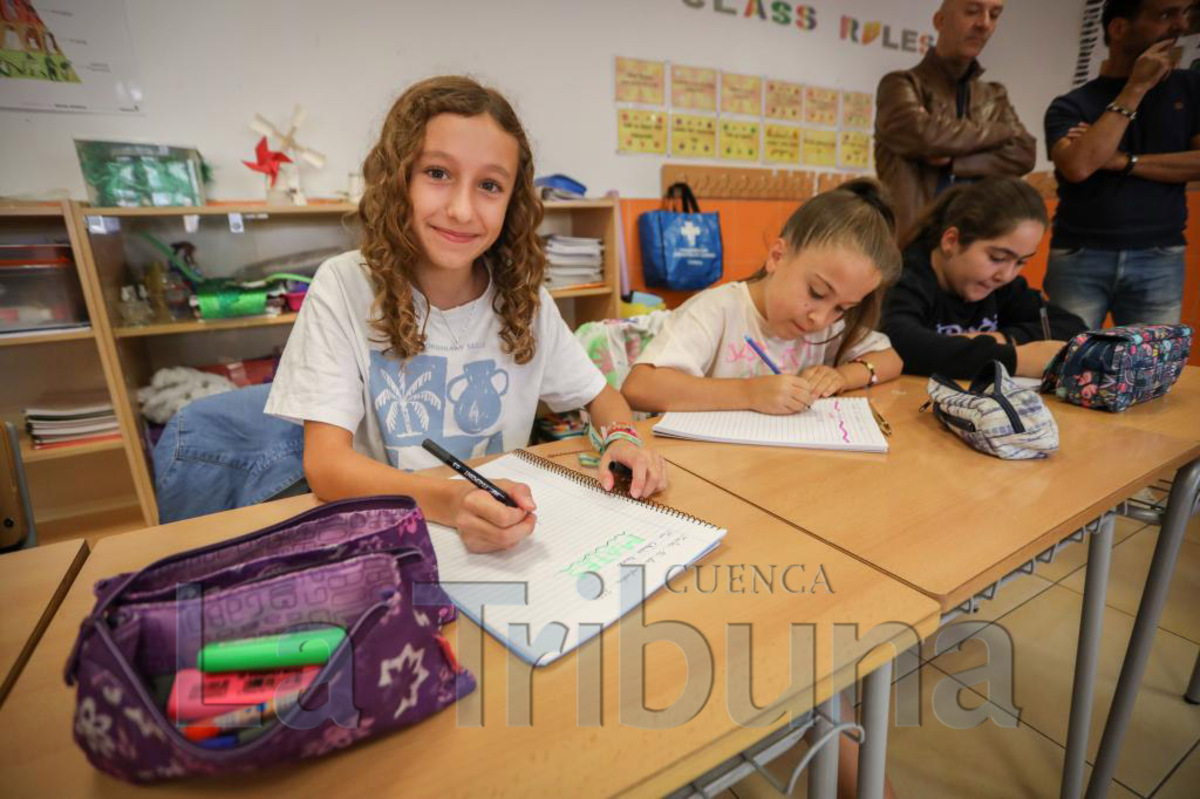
477,403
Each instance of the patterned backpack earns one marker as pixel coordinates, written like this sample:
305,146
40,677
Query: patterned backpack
1114,368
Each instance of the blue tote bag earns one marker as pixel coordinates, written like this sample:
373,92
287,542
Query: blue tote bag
680,250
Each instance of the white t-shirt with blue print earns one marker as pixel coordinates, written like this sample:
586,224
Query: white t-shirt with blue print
463,391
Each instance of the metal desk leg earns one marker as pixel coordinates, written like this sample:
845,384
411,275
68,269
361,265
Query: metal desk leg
872,754
823,773
1193,692
1090,624
1179,509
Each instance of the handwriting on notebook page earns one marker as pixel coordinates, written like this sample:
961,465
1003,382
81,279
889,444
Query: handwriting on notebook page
571,565
832,423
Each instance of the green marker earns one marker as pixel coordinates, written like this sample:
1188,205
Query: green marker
304,648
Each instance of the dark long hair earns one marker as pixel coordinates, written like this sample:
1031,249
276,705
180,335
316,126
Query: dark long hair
856,214
984,210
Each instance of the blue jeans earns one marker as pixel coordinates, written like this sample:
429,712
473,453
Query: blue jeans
1135,285
223,452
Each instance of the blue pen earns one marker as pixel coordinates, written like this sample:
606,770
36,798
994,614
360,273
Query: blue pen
754,345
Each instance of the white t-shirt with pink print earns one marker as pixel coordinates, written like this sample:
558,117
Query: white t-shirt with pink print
706,337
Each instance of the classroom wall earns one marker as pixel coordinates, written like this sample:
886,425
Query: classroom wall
207,67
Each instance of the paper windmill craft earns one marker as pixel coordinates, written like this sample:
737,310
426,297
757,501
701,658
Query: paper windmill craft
268,160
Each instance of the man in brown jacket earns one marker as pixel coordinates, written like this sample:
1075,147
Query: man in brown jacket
937,123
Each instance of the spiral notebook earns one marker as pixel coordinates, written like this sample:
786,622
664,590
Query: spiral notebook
565,583
844,423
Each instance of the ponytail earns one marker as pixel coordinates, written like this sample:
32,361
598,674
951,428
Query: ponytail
858,215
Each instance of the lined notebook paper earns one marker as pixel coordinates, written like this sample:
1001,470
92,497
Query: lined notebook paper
570,566
834,423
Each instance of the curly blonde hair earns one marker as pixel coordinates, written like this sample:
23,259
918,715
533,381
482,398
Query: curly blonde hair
389,245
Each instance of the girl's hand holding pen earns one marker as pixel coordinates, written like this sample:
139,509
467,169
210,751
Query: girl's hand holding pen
486,524
779,394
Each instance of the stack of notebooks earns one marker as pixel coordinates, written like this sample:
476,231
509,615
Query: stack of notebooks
573,261
68,420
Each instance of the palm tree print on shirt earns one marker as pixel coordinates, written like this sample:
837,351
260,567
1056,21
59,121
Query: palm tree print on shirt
406,401
410,399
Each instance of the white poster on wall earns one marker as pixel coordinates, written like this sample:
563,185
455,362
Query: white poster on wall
67,55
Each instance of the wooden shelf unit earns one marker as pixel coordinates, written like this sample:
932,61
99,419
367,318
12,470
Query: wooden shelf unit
31,455
49,337
33,211
128,353
202,326
65,360
595,219
140,350
254,210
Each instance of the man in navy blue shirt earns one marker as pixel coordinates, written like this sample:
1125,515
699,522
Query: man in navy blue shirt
1125,145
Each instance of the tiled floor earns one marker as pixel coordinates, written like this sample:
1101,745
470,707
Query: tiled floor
1161,754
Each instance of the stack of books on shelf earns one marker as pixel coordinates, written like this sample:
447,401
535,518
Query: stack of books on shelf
69,420
573,261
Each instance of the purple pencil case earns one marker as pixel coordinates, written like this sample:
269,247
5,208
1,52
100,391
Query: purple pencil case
365,565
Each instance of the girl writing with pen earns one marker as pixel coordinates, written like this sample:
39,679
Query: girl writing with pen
961,302
439,327
797,330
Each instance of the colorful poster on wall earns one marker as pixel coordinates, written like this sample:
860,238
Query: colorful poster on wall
784,100
694,87
739,140
640,81
68,55
640,131
741,94
821,106
693,136
857,110
856,149
820,147
781,144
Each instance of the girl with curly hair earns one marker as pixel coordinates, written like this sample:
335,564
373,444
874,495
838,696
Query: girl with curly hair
439,326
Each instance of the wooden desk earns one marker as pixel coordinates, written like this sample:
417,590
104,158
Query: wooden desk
1176,414
933,512
33,583
553,755
949,521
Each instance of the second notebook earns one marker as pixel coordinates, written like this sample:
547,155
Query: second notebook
836,423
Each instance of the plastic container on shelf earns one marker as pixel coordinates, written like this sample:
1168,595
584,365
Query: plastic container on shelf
295,298
39,289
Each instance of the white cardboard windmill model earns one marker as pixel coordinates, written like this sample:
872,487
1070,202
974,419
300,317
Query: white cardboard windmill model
292,191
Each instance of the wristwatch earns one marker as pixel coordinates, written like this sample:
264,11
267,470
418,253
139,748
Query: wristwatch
1129,113
870,368
1130,164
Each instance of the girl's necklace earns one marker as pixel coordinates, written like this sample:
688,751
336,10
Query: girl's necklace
466,328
